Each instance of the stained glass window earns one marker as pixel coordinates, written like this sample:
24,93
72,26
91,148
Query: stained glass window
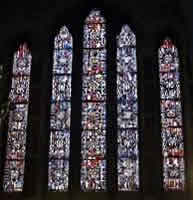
127,111
59,149
93,143
171,117
18,115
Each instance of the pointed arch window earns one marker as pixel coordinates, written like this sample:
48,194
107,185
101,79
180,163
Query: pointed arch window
59,147
127,111
171,117
18,119
93,140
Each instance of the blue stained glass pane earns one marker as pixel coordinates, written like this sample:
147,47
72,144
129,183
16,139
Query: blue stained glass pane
20,89
127,60
172,141
94,61
127,143
15,150
22,66
93,174
94,36
14,175
63,40
59,144
95,18
169,85
60,115
58,172
171,113
61,88
18,118
94,88
93,116
126,37
62,61
94,143
127,111
171,118
127,170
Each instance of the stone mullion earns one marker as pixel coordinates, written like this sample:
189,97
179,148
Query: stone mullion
111,103
75,139
41,161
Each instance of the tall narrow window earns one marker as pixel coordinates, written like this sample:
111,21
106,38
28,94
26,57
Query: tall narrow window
171,117
59,149
93,143
127,110
17,127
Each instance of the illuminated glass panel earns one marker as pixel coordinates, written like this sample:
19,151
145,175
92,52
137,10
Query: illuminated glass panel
127,110
60,113
93,140
18,117
171,117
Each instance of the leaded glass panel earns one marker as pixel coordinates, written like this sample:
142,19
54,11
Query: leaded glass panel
18,119
127,111
93,138
171,117
60,113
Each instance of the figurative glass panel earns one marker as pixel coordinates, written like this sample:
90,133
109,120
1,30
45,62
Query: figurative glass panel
60,113
171,117
93,140
18,117
127,110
